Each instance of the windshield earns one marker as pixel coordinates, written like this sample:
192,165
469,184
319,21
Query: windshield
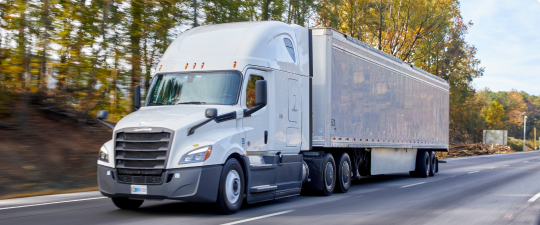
195,88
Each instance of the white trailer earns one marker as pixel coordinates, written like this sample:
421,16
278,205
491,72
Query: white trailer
258,111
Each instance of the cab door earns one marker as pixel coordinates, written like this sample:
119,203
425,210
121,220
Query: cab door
256,125
294,114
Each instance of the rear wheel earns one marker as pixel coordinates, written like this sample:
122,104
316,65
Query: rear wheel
423,164
436,165
343,182
328,174
433,161
126,203
231,188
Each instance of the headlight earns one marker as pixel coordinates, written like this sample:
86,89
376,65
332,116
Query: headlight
103,154
197,155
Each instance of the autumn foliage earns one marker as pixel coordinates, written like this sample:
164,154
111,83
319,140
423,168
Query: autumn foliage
88,55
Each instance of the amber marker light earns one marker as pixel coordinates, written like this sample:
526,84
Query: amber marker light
208,152
202,65
160,67
234,64
186,66
194,64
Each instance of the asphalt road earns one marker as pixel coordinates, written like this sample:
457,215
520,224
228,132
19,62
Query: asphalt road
495,189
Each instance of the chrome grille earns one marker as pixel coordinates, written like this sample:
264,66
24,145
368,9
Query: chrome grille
136,150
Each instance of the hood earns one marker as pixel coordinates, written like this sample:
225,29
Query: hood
170,117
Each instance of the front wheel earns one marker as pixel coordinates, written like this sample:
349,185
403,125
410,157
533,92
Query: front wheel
126,203
231,188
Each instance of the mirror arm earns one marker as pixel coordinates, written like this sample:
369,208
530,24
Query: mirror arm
106,124
218,119
248,112
192,129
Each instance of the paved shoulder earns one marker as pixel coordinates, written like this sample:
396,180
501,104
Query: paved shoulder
49,199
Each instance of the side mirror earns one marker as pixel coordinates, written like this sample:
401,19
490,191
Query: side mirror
260,92
211,113
102,114
137,97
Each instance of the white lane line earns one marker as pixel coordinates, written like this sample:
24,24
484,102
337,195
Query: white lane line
508,215
473,172
412,185
506,165
526,162
258,217
533,198
50,203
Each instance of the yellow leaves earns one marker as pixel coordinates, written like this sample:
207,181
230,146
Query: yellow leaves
493,115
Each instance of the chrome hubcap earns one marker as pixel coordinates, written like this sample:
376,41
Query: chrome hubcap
427,166
329,175
233,186
346,174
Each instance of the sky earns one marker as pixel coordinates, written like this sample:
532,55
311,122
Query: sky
507,36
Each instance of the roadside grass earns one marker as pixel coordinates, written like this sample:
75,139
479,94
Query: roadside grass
517,144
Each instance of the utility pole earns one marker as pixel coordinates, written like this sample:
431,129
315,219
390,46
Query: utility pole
524,129
535,138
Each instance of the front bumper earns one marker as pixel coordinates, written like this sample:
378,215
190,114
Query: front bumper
197,184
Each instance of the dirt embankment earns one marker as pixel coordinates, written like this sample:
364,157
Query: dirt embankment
54,152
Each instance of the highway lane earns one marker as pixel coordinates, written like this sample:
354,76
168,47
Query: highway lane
495,189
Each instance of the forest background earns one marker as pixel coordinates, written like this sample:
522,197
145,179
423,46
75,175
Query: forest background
87,55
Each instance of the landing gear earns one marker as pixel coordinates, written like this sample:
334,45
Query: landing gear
126,203
365,164
231,188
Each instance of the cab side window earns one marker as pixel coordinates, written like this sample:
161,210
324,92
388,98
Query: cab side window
250,91
290,48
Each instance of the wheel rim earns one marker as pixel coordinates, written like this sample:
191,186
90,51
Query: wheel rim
233,186
427,165
329,178
433,164
345,174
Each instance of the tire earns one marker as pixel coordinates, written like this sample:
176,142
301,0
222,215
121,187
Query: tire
344,168
433,163
328,175
365,166
423,164
413,174
231,188
126,203
436,165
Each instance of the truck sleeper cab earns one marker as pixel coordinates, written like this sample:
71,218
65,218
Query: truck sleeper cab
247,111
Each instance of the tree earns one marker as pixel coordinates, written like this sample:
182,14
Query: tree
493,115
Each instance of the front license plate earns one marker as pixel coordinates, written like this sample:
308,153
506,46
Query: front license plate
138,189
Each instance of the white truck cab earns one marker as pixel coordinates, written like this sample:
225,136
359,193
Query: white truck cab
230,117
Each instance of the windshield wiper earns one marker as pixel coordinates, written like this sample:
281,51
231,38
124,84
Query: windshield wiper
198,103
156,103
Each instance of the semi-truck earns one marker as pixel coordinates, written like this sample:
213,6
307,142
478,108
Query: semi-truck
257,111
